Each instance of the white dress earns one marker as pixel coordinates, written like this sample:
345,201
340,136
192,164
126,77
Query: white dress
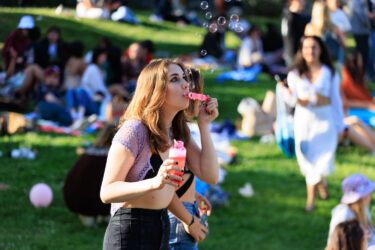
316,128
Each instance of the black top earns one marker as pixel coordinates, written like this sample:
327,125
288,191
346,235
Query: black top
156,162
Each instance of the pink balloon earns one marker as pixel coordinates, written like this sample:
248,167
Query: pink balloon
41,195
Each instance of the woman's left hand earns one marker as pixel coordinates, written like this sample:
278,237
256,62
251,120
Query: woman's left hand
204,206
208,111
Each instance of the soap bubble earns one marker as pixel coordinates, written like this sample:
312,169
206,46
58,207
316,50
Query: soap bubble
213,27
221,20
239,28
205,24
232,25
234,18
208,15
204,5
203,52
227,1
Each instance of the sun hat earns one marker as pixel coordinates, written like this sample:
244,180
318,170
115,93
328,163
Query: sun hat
26,22
355,187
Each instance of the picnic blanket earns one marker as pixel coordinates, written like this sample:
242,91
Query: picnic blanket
367,116
243,74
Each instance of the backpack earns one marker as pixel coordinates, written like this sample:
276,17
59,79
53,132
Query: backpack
284,126
255,121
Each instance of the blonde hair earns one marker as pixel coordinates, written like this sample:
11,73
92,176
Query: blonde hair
197,78
146,104
359,209
320,18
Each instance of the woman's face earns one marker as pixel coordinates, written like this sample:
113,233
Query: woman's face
178,88
311,50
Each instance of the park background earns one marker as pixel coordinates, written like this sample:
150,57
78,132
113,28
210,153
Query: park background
273,218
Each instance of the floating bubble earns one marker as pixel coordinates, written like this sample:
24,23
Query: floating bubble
239,28
208,15
221,20
232,25
205,24
227,1
203,52
234,18
204,5
212,28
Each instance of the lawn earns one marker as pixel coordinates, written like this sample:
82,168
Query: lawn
273,218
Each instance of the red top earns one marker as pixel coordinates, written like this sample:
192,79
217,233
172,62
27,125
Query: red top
352,90
18,43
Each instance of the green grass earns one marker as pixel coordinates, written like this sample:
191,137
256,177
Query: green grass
273,218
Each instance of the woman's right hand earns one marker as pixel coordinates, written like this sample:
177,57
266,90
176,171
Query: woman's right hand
165,175
196,230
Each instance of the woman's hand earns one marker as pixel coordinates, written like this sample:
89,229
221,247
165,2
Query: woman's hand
196,230
208,111
165,176
204,206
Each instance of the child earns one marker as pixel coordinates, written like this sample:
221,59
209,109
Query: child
357,191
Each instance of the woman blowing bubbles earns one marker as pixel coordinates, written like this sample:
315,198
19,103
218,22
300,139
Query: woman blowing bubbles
314,90
137,179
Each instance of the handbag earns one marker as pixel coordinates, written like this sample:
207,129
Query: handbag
284,126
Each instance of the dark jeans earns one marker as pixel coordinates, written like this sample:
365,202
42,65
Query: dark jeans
138,229
362,45
54,112
80,98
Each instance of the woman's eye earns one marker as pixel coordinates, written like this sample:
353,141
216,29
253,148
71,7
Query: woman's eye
174,79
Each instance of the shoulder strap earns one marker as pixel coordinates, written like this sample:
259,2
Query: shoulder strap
182,190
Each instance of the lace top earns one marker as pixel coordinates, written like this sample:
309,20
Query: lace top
133,136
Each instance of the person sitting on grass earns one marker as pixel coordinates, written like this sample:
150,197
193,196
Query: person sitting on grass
93,81
48,98
357,192
15,45
356,93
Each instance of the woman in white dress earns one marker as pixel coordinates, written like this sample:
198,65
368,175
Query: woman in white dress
314,91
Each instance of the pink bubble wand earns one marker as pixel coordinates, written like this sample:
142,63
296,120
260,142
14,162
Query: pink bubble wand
196,96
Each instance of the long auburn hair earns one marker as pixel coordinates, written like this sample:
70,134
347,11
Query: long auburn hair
197,78
325,58
146,104
351,65
359,209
